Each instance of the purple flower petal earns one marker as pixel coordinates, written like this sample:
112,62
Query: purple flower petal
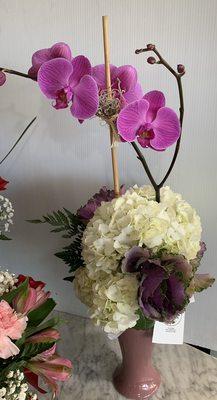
54,76
81,66
136,255
40,56
156,101
98,73
86,99
135,93
2,78
127,76
61,50
131,118
151,280
166,128
149,311
177,290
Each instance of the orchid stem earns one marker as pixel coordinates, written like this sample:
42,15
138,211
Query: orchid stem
13,72
178,77
22,134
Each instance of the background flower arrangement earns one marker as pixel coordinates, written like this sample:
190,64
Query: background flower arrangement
28,339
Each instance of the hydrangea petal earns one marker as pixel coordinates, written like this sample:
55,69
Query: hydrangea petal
54,75
131,118
156,101
86,99
98,73
166,128
81,66
127,76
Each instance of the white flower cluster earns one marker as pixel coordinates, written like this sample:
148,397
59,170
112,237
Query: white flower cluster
134,219
7,282
6,214
15,388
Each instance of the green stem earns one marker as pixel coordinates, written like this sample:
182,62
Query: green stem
20,137
13,72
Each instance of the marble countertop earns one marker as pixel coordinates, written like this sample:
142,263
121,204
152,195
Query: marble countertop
187,373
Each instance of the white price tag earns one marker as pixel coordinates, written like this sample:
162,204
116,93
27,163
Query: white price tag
169,333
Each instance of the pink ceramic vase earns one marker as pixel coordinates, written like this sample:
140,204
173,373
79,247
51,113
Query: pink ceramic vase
136,378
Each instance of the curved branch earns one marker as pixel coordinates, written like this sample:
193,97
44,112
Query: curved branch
13,72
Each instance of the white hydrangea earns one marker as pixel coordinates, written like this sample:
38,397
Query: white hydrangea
112,299
7,282
137,219
6,214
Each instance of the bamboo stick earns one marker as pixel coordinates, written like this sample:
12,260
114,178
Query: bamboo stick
105,24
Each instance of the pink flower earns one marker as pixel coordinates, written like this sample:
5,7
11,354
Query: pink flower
47,335
2,78
58,50
12,327
31,299
150,122
50,367
123,81
70,82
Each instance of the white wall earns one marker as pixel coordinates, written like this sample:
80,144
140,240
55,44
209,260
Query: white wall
61,163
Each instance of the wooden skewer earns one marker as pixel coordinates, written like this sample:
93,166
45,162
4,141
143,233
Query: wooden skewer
105,25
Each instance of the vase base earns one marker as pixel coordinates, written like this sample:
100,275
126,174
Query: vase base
134,390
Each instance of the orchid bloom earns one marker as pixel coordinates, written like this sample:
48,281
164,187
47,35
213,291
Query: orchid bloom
150,122
58,50
28,301
123,81
2,78
12,327
69,81
50,367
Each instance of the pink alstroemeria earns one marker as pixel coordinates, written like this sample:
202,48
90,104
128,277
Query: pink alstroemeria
65,82
150,122
50,367
45,336
58,50
31,299
123,81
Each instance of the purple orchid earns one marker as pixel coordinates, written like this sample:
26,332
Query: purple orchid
123,82
150,122
2,78
58,50
87,212
69,81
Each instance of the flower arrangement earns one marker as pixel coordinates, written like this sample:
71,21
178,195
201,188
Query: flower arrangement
28,339
134,255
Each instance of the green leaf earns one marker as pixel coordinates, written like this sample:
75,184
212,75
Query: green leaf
35,317
69,278
35,221
11,295
3,237
143,322
51,323
32,349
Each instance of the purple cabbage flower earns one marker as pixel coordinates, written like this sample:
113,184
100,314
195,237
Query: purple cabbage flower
123,82
58,50
87,212
70,82
150,122
166,283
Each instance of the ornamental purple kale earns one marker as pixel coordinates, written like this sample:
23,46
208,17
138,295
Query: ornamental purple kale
166,283
150,122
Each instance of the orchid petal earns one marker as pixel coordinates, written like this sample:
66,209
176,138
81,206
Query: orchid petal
2,78
156,101
98,73
81,66
61,50
86,99
131,118
40,56
53,76
166,128
135,93
127,76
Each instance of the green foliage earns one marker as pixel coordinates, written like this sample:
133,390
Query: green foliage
30,350
143,322
50,323
71,227
38,315
3,237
